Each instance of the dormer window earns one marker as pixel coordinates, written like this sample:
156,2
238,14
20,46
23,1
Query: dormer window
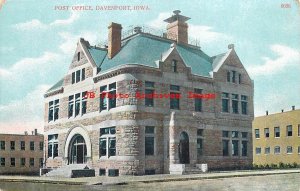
174,65
78,76
78,56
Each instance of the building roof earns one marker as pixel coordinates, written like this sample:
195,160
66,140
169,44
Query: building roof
56,86
145,49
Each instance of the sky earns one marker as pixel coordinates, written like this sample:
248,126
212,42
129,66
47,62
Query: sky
37,42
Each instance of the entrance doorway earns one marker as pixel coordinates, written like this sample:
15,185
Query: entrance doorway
77,152
184,154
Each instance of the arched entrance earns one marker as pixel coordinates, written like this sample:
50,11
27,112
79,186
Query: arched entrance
77,150
183,150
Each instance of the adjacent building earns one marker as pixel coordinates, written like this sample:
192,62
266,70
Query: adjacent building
126,108
276,138
21,154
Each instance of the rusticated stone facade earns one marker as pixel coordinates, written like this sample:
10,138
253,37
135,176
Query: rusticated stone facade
130,136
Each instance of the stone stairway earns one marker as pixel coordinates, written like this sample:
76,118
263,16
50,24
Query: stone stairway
187,168
191,169
65,171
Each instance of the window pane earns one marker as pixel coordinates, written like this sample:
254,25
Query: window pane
174,87
199,147
149,130
244,148
256,133
199,132
149,101
174,102
102,146
235,148
83,74
234,134
112,146
277,131
73,77
149,145
77,76
225,133
149,84
244,134
267,132
225,148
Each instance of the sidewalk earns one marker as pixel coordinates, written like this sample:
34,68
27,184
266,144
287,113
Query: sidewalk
145,179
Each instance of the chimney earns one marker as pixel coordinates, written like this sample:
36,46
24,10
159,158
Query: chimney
282,111
26,133
35,132
267,112
293,107
177,29
114,39
230,46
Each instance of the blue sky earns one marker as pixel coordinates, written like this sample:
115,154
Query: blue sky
37,43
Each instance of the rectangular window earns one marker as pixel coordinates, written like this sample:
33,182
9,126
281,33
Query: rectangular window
267,132
234,134
149,140
174,88
12,162
112,99
102,172
244,103
289,149
103,98
228,76
244,148
107,142
174,100
50,111
41,145
71,106
225,147
235,103
256,133
277,131
198,101
240,78
2,161
225,100
73,77
149,101
225,133
22,161
244,135
149,84
267,150
113,172
83,102
277,150
77,76
235,148
2,145
31,145
22,145
149,171
77,104
12,145
199,147
31,162
53,145
56,109
53,110
289,130
199,132
258,150
174,65
233,76
83,74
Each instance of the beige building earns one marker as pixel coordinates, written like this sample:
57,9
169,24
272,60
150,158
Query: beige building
130,134
276,138
21,154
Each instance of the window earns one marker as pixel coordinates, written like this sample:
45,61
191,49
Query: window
12,145
233,76
78,76
41,146
77,104
83,102
244,148
41,162
149,171
149,140
256,133
80,103
277,131
198,101
78,56
244,135
73,77
298,130
174,97
31,145
240,78
234,134
200,132
102,172
71,106
258,150
298,150
31,162
289,130
289,149
228,76
244,103
22,161
53,110
113,172
277,150
22,145
149,91
83,74
12,162
107,142
225,147
235,103
225,100
174,65
2,145
267,132
199,142
108,96
235,147
2,161
174,88
53,145
225,133
267,150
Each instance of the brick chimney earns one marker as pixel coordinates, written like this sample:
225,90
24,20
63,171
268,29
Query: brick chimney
177,29
114,39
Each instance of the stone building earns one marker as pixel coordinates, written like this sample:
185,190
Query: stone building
98,114
21,154
277,138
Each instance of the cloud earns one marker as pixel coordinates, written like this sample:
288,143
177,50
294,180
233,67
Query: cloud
286,57
24,114
36,24
159,21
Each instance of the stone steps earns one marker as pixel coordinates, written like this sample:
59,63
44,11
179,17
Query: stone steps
65,171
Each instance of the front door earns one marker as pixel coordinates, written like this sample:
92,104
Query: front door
77,153
184,153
